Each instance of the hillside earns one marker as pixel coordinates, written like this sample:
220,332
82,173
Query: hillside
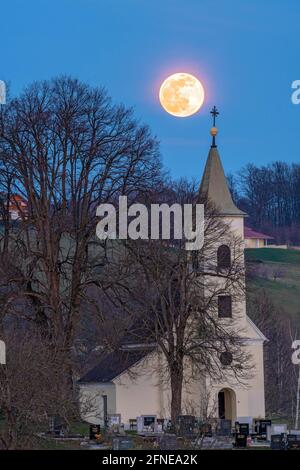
278,272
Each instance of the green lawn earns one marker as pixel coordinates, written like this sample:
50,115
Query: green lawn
80,428
273,255
278,272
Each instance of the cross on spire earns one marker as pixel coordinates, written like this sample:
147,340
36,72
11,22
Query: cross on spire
214,112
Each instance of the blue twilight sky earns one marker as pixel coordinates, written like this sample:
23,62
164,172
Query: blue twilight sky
245,52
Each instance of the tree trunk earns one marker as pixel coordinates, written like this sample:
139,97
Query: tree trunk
176,391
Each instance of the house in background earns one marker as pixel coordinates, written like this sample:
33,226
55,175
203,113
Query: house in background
17,207
255,239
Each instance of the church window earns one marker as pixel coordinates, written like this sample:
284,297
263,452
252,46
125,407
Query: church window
223,257
224,306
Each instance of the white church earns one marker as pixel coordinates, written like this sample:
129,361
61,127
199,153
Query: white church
131,388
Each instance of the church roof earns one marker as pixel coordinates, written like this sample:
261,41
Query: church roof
259,335
214,187
114,364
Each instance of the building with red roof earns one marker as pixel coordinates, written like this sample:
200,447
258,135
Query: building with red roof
254,239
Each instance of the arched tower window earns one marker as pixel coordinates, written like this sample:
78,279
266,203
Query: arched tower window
223,257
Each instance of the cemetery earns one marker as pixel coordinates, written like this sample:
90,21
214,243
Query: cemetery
147,432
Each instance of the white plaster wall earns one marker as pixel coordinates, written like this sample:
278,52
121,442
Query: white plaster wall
140,392
91,401
236,225
146,390
250,400
254,243
256,392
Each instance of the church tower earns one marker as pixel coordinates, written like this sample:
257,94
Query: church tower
214,185
232,401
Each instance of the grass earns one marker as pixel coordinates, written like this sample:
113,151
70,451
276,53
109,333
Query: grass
52,444
80,428
283,289
273,255
285,295
47,443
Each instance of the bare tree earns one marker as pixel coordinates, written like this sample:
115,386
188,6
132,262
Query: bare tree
31,388
270,196
280,374
69,149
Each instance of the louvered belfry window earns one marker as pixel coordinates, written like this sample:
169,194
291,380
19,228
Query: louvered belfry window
224,306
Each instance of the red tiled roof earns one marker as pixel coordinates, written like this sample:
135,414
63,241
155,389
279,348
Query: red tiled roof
17,199
249,233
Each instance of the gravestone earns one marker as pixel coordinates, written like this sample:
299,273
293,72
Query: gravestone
240,440
216,442
242,428
277,442
58,426
294,431
260,426
293,441
206,429
132,425
95,432
168,442
114,423
224,427
186,425
167,425
122,443
276,429
160,424
146,423
245,419
114,420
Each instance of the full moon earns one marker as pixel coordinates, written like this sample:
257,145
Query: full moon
181,94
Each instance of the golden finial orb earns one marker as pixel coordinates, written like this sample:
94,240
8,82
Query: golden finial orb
213,131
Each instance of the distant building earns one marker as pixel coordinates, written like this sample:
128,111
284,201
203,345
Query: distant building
17,207
255,239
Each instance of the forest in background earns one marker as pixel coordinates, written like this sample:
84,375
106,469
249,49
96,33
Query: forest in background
270,195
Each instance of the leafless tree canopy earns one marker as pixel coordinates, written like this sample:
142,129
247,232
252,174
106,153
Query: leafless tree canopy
280,374
271,197
64,148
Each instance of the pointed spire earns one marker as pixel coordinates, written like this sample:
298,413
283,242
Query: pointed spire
214,184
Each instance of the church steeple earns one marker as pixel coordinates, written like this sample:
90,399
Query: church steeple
214,186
